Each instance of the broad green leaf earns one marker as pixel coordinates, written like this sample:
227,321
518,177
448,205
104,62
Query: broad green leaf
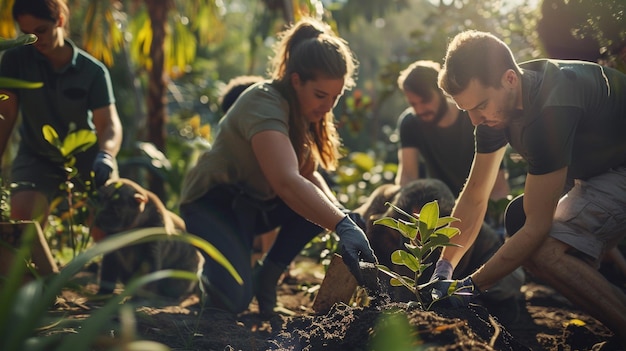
395,277
78,141
388,222
416,251
401,211
425,232
424,267
436,241
396,282
408,230
386,270
51,136
430,214
402,257
6,82
446,220
403,281
448,231
24,39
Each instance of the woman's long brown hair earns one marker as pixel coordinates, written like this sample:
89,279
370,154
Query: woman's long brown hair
311,50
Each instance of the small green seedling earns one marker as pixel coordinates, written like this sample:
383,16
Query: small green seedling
426,232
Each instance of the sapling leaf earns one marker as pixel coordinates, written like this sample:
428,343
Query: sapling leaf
388,222
408,230
443,221
51,136
78,141
406,281
402,257
448,231
397,279
414,250
424,231
401,211
436,240
430,214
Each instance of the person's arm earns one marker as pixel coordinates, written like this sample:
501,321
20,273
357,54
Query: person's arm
109,132
541,195
408,165
471,205
279,164
108,129
8,118
319,181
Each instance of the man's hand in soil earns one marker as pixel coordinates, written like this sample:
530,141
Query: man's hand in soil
354,247
454,293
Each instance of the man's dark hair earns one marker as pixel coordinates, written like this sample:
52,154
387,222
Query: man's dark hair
475,55
420,78
234,88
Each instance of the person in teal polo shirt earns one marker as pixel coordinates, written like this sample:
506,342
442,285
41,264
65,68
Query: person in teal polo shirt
77,94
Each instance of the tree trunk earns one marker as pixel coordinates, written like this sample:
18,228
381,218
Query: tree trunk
156,99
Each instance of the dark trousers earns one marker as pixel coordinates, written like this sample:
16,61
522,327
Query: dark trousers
229,220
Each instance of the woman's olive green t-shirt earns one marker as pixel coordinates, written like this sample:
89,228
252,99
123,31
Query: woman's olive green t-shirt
231,159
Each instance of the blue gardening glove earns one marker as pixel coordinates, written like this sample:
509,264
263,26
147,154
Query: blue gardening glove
356,218
104,166
454,293
354,247
443,270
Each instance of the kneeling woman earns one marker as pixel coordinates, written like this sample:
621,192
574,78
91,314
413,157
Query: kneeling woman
261,172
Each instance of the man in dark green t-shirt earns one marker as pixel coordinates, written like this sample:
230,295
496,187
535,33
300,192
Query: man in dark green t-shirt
567,119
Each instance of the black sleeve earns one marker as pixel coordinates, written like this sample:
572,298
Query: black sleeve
489,139
550,139
407,129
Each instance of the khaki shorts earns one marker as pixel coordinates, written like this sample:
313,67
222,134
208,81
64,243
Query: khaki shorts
591,217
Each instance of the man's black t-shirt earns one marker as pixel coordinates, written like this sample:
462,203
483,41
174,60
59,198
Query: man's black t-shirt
447,152
574,114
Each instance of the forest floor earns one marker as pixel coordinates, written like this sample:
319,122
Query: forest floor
548,322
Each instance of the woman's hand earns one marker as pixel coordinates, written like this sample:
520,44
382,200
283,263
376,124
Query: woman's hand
354,247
